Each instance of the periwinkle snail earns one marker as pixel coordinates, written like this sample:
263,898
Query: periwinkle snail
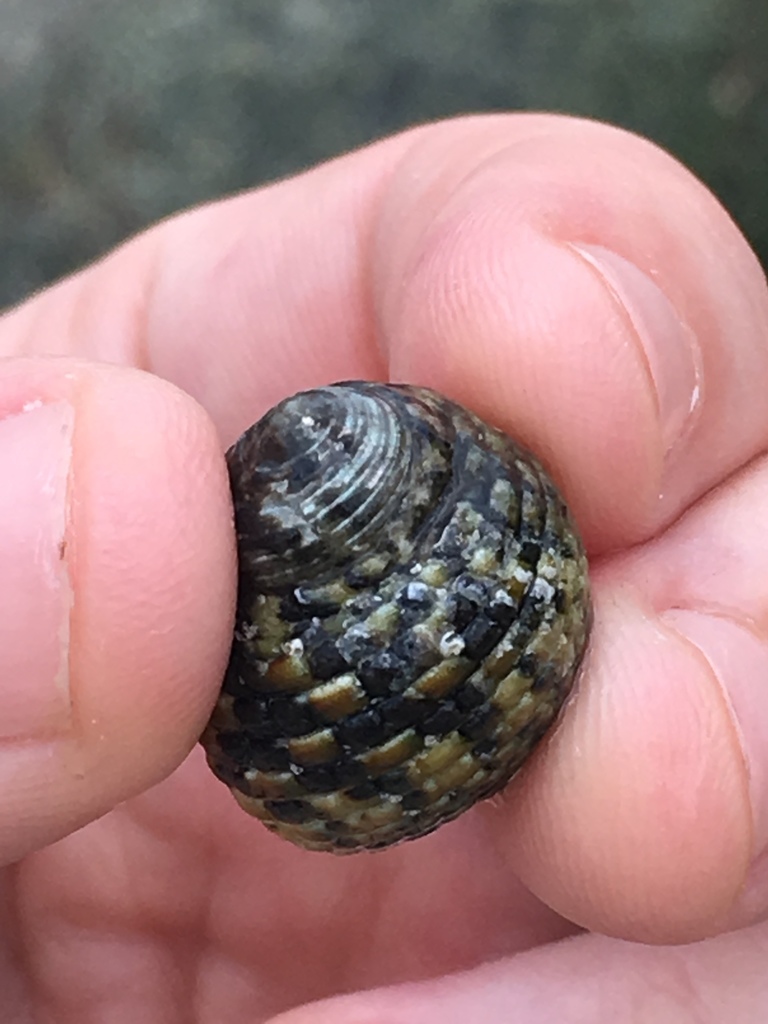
413,607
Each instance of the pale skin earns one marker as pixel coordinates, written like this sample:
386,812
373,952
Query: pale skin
466,256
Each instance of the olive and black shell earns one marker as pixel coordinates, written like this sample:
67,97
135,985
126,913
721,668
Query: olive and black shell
413,607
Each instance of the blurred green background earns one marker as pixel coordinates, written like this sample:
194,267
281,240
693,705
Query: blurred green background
117,112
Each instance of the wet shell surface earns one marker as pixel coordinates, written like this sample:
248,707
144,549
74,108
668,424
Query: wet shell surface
413,607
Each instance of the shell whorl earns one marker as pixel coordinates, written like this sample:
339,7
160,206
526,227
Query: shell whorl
413,607
330,471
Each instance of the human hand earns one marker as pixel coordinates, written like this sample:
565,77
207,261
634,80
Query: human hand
578,288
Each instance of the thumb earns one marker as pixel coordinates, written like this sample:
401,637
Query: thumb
116,589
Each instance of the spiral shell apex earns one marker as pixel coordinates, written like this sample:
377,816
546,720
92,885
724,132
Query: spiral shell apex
413,607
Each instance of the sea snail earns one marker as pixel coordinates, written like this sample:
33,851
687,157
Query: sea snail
413,607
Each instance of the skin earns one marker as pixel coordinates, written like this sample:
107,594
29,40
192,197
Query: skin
623,875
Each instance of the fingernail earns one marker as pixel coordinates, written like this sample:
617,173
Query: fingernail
669,346
719,637
35,593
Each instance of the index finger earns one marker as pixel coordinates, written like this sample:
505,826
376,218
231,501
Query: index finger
570,282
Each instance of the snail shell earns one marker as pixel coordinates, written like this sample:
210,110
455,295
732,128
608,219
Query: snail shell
413,607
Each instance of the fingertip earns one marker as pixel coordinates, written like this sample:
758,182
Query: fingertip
153,559
636,821
148,554
580,288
